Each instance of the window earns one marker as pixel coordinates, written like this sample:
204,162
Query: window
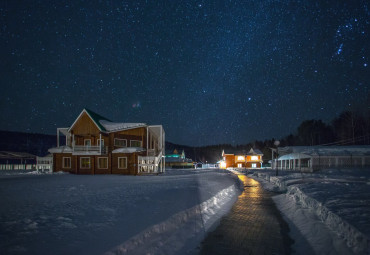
135,143
239,165
87,142
85,163
241,158
254,158
120,142
103,163
100,141
122,162
66,162
254,165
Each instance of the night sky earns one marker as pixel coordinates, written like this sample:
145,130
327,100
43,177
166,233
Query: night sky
209,71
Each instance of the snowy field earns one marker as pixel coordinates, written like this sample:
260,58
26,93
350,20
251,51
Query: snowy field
112,214
329,208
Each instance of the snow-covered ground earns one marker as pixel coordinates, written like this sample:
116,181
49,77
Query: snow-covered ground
328,211
112,214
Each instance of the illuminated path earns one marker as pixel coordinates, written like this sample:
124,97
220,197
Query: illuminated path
253,226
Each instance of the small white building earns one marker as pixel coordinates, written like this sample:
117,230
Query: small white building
312,158
45,164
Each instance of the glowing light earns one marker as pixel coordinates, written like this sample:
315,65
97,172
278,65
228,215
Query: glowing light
254,158
223,164
240,158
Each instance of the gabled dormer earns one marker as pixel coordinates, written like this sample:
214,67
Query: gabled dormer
88,122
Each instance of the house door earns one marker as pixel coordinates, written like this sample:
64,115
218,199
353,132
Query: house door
239,165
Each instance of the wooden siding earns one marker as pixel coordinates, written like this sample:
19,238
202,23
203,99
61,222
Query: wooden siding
85,126
249,164
249,158
137,134
230,160
132,163
58,162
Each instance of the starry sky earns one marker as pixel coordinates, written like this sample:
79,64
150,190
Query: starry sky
209,71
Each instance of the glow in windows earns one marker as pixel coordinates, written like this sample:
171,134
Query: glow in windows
254,158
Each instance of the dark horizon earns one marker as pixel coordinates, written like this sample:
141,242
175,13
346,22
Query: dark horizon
209,72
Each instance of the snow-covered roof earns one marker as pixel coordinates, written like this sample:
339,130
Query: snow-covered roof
254,152
11,154
355,150
128,150
105,125
294,156
250,152
115,126
61,149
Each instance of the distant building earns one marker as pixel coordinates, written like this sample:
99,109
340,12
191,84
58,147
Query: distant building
176,160
252,159
96,145
312,158
17,161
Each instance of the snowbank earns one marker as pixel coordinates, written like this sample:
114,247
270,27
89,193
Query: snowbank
340,199
168,236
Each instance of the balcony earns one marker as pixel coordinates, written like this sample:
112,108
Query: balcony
93,150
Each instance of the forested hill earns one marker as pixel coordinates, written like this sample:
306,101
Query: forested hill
36,144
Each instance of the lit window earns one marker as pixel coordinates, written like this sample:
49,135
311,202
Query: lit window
103,163
135,143
240,157
254,157
254,165
66,162
122,162
85,163
120,142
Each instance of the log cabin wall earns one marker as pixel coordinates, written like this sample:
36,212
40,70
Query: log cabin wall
137,134
249,158
85,128
230,160
58,162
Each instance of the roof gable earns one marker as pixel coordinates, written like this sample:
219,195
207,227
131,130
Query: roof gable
94,117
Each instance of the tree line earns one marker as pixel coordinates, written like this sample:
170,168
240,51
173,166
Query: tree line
351,127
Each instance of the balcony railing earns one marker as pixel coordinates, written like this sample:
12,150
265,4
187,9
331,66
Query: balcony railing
88,149
150,164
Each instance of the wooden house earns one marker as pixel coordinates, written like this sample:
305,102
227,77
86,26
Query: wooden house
252,159
177,160
95,145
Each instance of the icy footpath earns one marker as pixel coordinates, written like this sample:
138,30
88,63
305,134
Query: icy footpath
339,199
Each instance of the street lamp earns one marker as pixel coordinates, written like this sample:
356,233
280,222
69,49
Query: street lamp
276,143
